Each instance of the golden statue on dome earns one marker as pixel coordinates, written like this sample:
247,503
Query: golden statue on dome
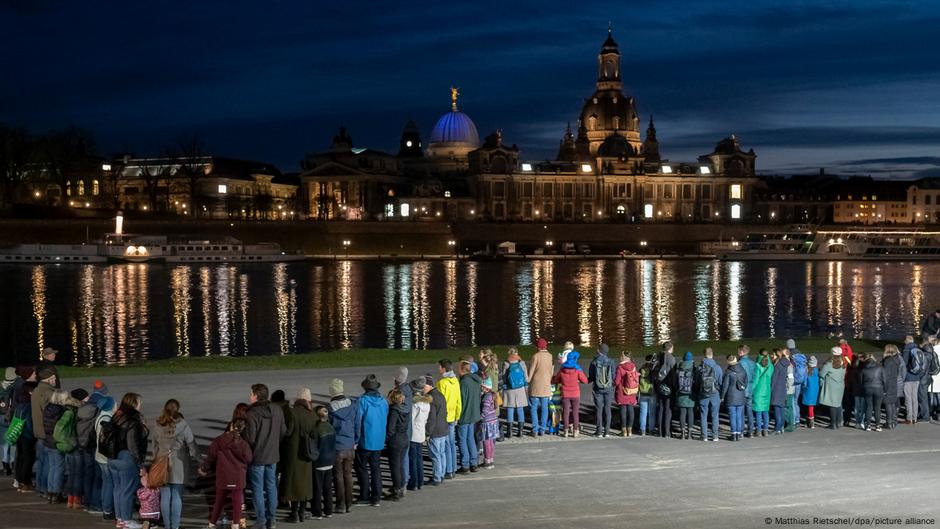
454,92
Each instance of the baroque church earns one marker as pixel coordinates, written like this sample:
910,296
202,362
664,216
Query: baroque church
605,171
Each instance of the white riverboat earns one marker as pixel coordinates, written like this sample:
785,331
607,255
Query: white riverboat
870,244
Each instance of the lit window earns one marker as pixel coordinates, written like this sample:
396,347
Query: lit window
704,170
389,210
648,211
446,194
81,187
736,211
408,143
94,187
404,210
586,168
105,167
223,189
621,209
736,191
526,167
667,169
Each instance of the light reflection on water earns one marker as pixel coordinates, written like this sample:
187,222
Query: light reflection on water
122,313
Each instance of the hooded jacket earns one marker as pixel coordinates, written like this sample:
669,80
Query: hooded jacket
264,430
373,415
760,394
810,395
50,416
749,366
600,362
344,416
620,382
229,456
39,400
539,376
133,432
894,378
449,387
710,362
779,382
831,385
570,380
470,398
420,410
873,376
326,445
683,400
437,416
396,435
85,426
177,440
730,394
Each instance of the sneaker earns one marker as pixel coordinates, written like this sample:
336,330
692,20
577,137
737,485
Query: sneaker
473,468
375,504
449,476
463,470
328,515
434,483
93,510
877,428
131,524
108,516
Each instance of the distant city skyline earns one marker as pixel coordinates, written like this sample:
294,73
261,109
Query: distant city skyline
849,86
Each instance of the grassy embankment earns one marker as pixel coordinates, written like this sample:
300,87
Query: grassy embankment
383,357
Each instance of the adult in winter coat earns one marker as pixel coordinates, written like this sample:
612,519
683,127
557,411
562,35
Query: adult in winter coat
894,384
228,456
132,436
760,391
931,325
832,387
515,391
449,387
780,387
873,384
47,381
647,396
798,359
420,409
396,440
265,429
344,416
685,398
470,392
570,377
626,391
296,465
810,395
68,445
400,382
437,432
734,394
601,375
26,444
911,378
664,383
539,378
371,431
173,438
709,378
90,472
55,460
748,364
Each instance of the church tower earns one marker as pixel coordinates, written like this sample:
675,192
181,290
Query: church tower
608,112
651,145
608,65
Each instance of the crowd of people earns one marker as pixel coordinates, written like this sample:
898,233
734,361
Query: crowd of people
90,451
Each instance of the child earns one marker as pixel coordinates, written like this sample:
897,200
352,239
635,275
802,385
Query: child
489,423
323,466
811,391
149,501
554,409
228,457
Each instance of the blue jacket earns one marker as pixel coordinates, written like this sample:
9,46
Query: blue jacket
906,357
599,361
749,366
730,394
811,388
710,362
798,360
373,414
344,416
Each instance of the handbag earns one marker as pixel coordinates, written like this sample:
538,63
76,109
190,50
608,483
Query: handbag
664,390
15,430
159,473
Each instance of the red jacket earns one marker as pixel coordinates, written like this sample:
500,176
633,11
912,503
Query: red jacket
229,456
570,380
620,382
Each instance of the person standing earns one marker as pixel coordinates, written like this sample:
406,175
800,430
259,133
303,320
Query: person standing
857,389
931,326
709,386
734,393
749,367
647,397
470,390
67,444
106,409
265,429
47,382
685,399
539,379
760,393
449,387
810,392
626,391
931,364
489,423
601,376
228,456
344,416
295,461
798,359
26,443
127,468
570,377
8,389
370,431
173,439
894,384
832,387
323,466
55,462
913,359
781,385
397,440
437,430
400,382
873,384
48,363
664,382
87,441
420,409
515,391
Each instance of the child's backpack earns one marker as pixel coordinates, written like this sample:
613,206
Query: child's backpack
799,368
604,377
915,362
64,433
109,439
685,381
646,387
631,382
515,377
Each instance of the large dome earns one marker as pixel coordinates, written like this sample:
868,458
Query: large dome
455,134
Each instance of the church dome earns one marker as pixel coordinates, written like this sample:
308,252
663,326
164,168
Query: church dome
609,111
455,127
616,146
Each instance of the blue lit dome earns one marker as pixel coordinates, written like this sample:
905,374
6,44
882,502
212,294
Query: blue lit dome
455,127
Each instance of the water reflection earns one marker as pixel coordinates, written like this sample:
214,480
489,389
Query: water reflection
38,299
771,301
525,289
180,282
735,293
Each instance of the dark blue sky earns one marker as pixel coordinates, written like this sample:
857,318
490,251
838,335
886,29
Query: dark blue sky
852,85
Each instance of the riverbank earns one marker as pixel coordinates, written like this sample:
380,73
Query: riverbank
386,357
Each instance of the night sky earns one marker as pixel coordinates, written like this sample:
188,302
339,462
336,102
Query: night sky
852,86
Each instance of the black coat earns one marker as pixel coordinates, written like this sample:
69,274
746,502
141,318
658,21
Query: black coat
730,394
873,377
891,368
397,427
437,416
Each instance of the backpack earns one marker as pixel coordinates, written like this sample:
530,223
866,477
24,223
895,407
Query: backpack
6,405
109,439
661,372
631,383
604,377
309,448
685,381
915,362
707,380
64,432
515,376
934,364
646,387
799,368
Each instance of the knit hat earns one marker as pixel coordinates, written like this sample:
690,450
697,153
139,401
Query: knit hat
45,372
304,394
336,387
370,382
417,385
541,344
688,356
101,388
79,394
791,343
813,362
49,351
571,360
487,383
603,349
24,372
9,375
836,351
429,380
401,376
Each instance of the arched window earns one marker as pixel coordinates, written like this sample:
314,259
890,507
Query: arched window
94,187
81,188
68,188
616,122
621,209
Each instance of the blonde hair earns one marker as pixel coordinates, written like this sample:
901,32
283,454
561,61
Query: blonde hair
891,350
60,397
396,397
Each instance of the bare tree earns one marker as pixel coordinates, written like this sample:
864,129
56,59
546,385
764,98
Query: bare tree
112,179
191,158
15,151
153,175
62,153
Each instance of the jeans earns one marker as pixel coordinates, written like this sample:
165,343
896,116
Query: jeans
370,475
797,390
416,462
923,402
171,505
42,468
343,478
647,411
438,448
686,420
602,411
107,488
706,402
749,415
466,439
571,412
736,417
891,413
263,479
873,398
763,420
396,464
55,471
779,418
322,492
75,481
512,413
126,475
539,423
7,450
91,480
910,399
450,465
237,496
858,410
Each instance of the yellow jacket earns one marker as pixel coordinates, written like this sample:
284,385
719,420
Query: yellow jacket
449,386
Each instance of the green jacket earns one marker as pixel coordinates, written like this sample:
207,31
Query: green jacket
831,385
760,389
470,398
297,474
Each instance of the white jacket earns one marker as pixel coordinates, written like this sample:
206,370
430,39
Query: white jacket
419,419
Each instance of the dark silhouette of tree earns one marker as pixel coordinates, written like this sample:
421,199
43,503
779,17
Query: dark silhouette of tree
62,153
191,158
264,203
16,148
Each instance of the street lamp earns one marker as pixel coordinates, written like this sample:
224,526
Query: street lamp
346,243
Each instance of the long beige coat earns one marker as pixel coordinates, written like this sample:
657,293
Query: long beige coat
540,374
